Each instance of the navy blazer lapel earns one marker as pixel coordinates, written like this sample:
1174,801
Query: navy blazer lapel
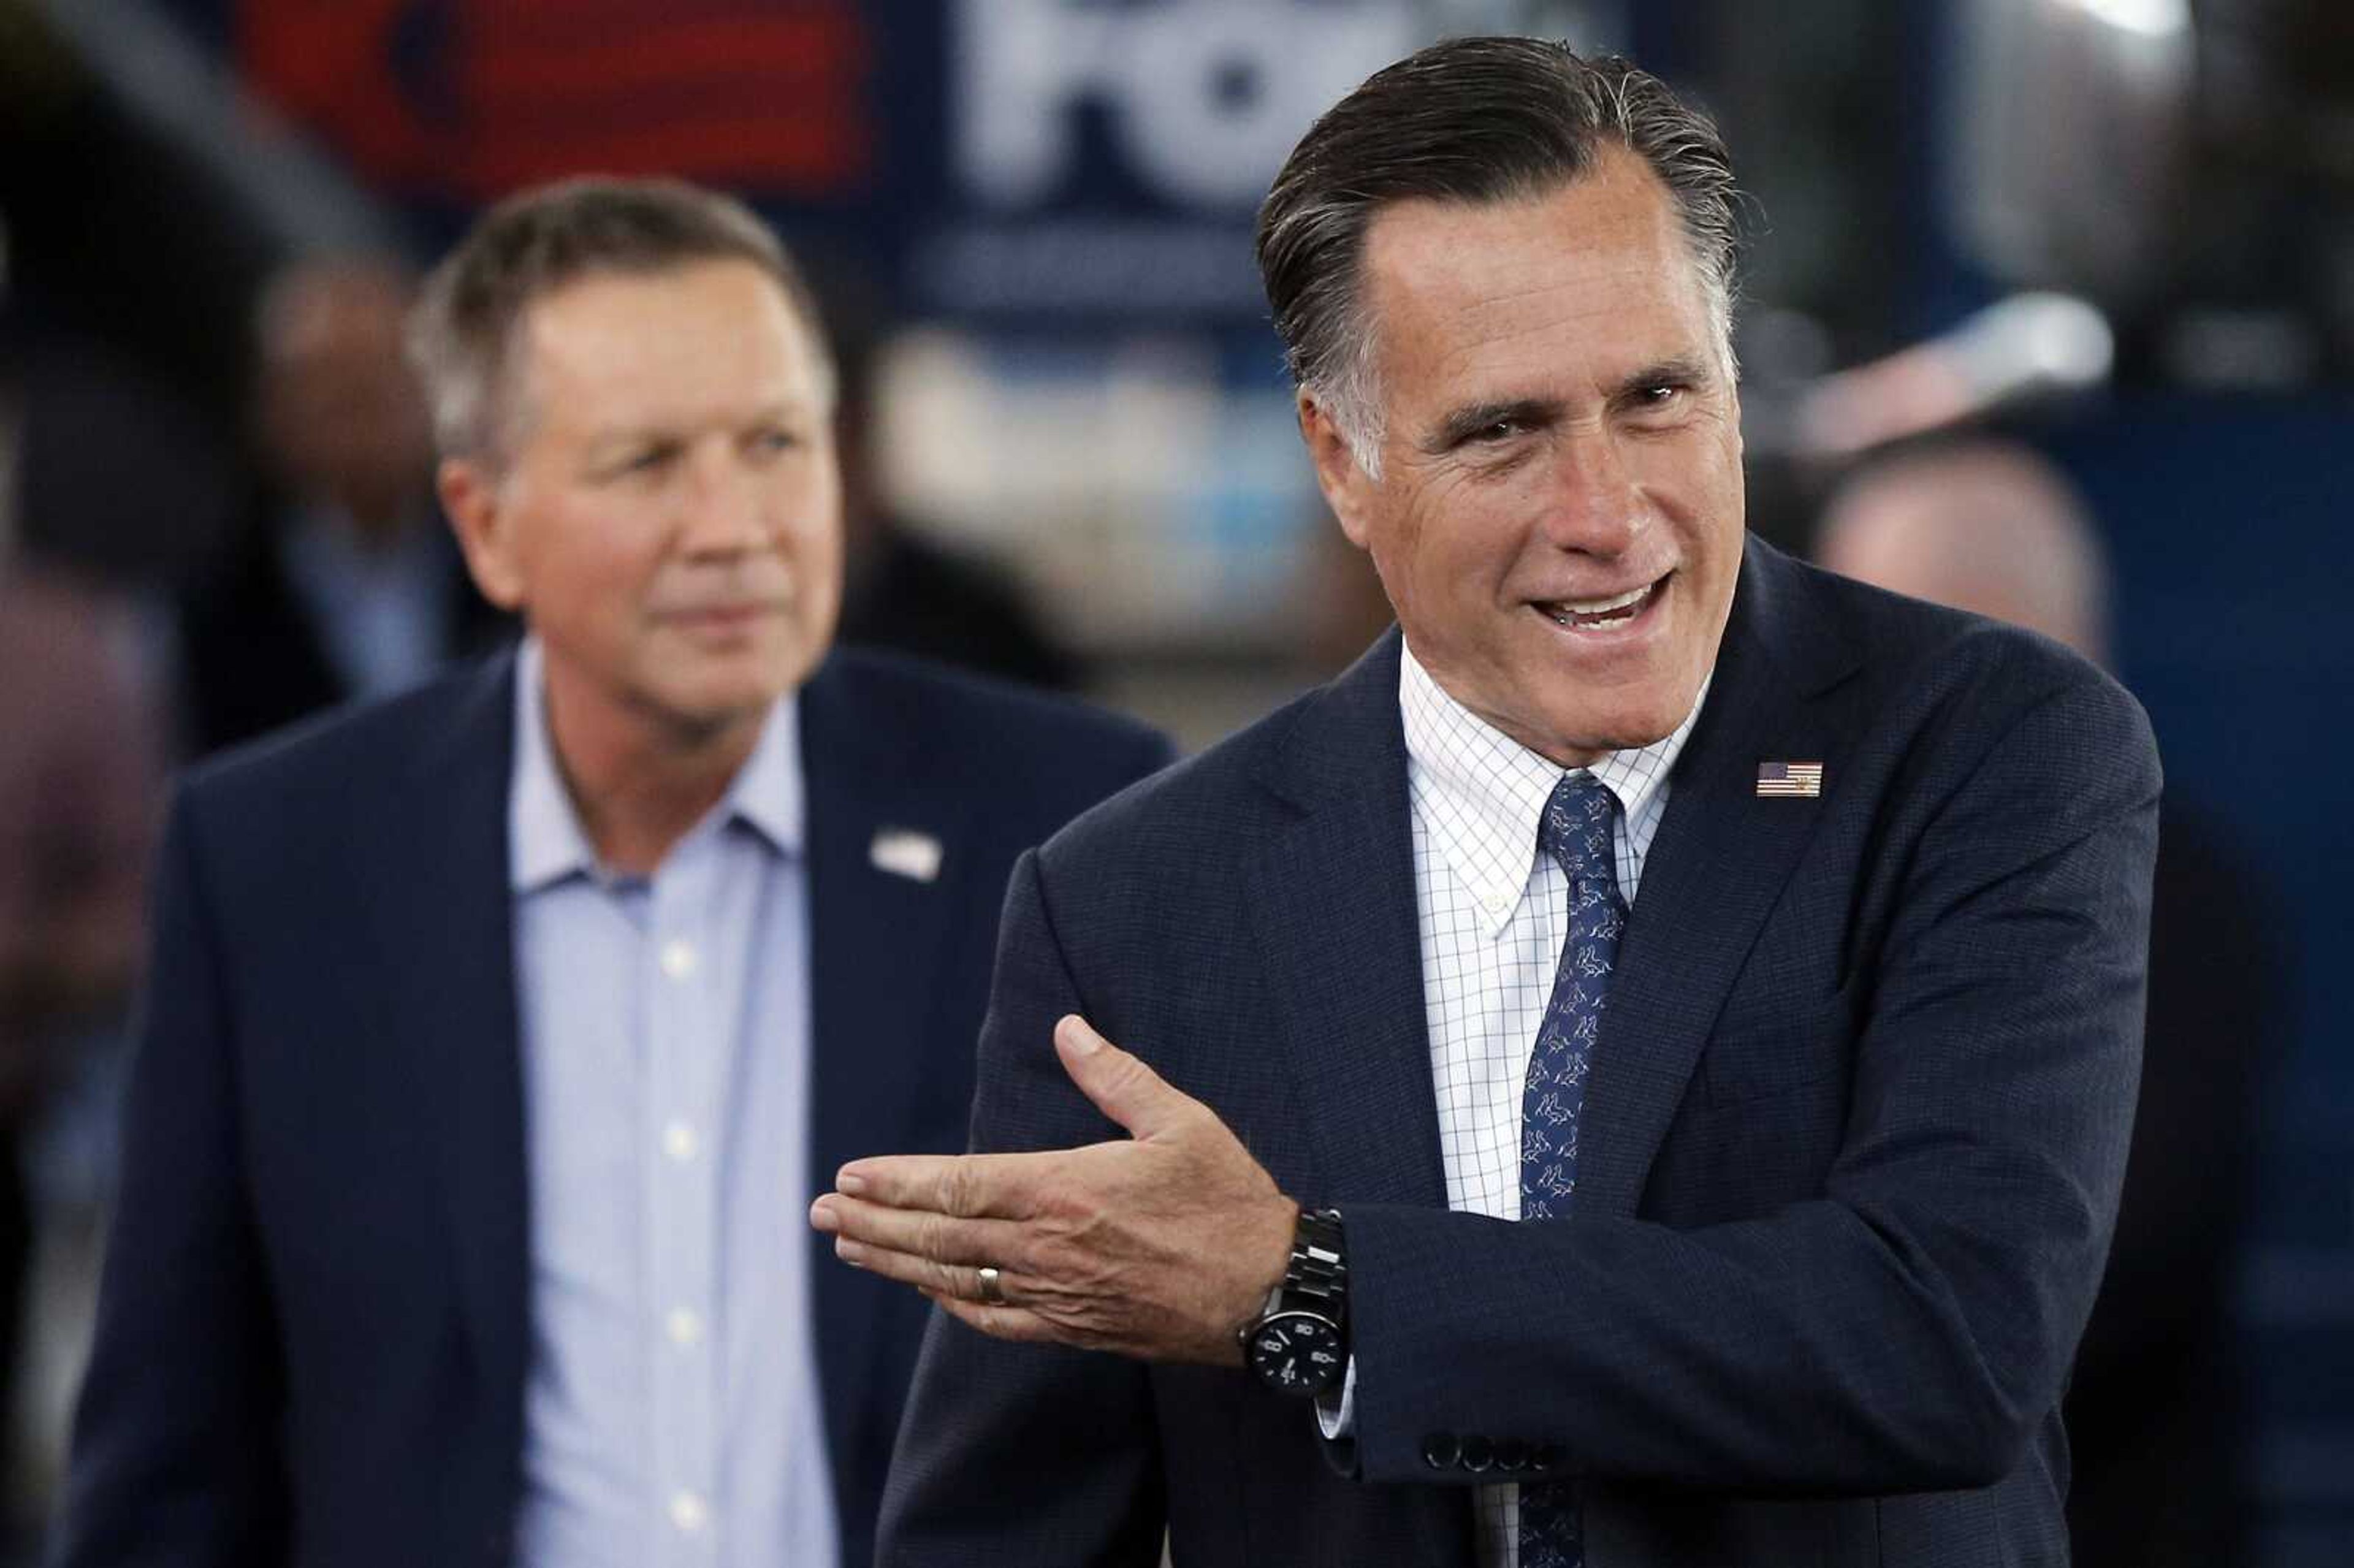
1331,899
443,910
1331,903
876,937
1713,872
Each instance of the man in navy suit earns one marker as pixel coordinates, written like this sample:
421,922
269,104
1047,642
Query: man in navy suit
1649,1050
498,1035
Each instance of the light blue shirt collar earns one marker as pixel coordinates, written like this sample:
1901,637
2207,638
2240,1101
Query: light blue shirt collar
545,841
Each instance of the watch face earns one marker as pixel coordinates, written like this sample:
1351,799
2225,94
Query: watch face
1297,1352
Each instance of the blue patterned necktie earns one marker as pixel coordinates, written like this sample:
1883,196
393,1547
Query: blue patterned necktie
1574,831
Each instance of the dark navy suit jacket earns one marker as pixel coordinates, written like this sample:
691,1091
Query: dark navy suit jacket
313,1324
1849,1156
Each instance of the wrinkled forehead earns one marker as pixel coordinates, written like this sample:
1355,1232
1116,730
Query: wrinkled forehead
618,337
1602,258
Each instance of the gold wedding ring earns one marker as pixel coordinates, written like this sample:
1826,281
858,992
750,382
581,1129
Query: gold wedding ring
991,1292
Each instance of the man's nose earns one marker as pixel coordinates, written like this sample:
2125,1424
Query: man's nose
1593,507
726,506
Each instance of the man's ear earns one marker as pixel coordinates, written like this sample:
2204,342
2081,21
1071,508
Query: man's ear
471,500
1347,488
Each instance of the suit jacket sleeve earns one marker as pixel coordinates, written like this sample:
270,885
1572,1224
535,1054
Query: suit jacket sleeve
1907,1328
177,1457
1024,1455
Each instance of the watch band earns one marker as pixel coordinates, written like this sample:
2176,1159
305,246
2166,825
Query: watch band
1317,1278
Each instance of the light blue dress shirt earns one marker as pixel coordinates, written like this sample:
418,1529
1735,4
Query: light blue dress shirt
671,1409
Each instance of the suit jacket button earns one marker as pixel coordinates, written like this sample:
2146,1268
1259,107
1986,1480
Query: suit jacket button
1546,1456
1511,1454
1440,1450
1477,1454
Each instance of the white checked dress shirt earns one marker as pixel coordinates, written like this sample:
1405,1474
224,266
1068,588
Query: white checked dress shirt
1493,910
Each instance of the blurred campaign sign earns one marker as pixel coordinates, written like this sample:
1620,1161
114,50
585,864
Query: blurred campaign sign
1110,157
1204,97
1014,162
455,102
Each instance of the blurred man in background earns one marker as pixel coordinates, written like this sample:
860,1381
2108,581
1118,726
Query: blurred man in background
1981,525
344,581
902,590
498,1033
80,777
2154,1411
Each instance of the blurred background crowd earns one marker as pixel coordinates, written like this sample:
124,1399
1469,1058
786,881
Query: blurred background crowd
2050,312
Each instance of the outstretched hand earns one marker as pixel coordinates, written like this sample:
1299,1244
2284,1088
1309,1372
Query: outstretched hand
1160,1246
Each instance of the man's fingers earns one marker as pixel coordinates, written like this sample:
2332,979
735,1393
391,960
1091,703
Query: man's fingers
1122,1086
919,1233
997,1322
967,1186
906,1267
957,1281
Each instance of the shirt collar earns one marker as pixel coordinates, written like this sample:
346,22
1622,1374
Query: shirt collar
544,839
1480,793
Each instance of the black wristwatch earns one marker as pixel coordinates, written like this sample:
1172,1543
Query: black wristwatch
1300,1343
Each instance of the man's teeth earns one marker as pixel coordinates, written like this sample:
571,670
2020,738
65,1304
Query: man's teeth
1565,610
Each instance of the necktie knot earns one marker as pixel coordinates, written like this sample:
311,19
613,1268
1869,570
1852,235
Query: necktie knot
1575,830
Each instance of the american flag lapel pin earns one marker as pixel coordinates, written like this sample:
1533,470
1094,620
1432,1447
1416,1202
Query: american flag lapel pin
1800,780
905,852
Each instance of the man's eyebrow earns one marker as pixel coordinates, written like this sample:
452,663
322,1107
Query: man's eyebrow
612,436
1677,370
777,411
1466,422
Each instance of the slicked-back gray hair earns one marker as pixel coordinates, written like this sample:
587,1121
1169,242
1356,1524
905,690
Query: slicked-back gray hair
1468,120
461,334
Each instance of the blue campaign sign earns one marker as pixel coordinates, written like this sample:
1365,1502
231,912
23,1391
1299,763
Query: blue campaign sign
1108,159
1010,162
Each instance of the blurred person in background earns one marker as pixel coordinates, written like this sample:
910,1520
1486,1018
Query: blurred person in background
498,1033
2155,1418
344,581
1323,1250
902,590
79,782
1980,523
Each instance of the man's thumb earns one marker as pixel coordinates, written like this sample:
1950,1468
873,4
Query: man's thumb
1121,1086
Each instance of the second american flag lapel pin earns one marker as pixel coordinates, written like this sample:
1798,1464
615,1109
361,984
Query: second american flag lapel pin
906,852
